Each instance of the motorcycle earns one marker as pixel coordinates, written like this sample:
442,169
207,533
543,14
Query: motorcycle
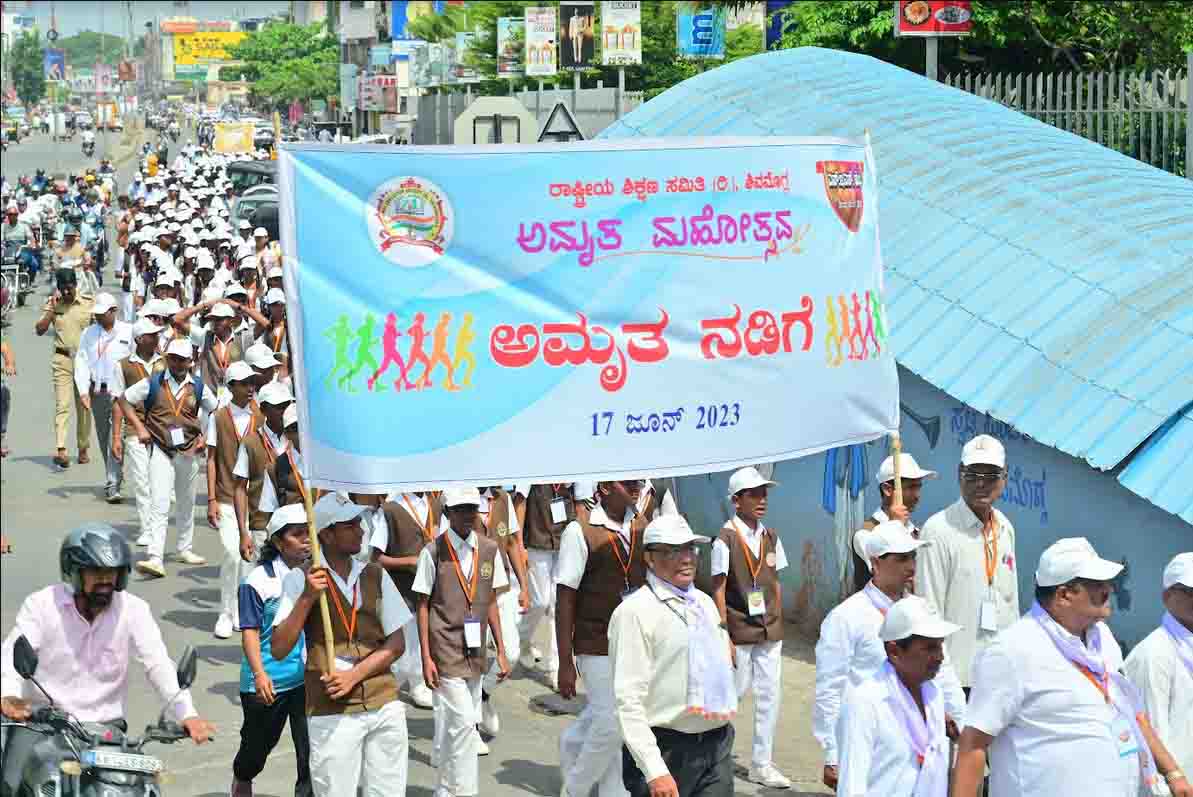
88,148
92,759
17,277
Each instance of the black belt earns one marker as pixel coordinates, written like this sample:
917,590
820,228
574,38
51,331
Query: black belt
667,734
63,352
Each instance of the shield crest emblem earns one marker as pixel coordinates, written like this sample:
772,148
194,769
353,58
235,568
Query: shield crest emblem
843,185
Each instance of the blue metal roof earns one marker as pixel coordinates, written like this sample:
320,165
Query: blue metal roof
1031,273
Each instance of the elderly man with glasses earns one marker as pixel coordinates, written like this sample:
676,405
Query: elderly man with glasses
968,573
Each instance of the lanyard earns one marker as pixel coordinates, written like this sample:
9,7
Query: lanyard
252,424
279,336
102,348
1102,683
614,540
990,549
170,398
270,453
469,590
222,355
754,565
428,533
335,596
683,616
302,490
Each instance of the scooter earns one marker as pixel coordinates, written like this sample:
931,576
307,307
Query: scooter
92,759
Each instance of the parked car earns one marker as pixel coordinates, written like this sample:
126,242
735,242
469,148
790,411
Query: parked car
252,199
246,174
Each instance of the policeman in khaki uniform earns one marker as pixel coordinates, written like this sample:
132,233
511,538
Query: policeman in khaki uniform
68,313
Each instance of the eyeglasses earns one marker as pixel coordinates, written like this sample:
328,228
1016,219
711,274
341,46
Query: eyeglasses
673,551
976,477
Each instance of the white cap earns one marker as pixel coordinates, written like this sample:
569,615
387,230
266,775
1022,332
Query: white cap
670,530
914,616
1179,571
747,479
908,469
984,450
164,278
275,393
235,289
288,515
181,348
260,356
335,508
1070,558
239,371
212,292
144,326
244,224
248,261
274,271
103,303
275,295
889,537
221,310
190,252
290,417
169,306
459,496
260,233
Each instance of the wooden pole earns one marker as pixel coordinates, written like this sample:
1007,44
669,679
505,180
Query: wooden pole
277,134
896,451
317,562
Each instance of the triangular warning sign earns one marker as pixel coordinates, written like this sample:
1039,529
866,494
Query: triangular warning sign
561,126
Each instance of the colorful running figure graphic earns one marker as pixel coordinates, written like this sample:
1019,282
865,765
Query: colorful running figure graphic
365,341
417,336
389,350
439,354
341,335
464,357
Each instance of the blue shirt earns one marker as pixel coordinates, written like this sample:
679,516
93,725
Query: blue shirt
258,598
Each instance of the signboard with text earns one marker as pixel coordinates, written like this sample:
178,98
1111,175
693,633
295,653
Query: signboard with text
933,18
699,30
542,42
205,48
621,32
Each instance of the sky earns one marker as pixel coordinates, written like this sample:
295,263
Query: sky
112,15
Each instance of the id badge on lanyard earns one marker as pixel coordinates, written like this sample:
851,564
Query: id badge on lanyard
756,602
559,512
472,633
177,436
1124,735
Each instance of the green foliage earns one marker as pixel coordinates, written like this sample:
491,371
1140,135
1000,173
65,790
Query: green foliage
86,48
26,63
286,62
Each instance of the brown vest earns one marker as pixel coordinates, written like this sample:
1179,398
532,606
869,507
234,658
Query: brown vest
285,482
227,448
603,583
498,528
373,693
406,538
212,372
448,606
538,531
161,416
744,629
134,373
261,461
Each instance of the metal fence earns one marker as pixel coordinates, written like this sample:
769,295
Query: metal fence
1148,116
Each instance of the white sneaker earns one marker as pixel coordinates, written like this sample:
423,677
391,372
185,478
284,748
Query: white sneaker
490,722
421,696
536,654
553,680
527,662
190,558
768,776
151,567
143,541
223,627
481,747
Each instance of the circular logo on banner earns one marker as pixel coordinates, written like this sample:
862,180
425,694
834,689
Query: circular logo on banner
410,221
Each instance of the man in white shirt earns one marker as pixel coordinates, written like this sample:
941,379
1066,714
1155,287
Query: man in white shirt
1048,702
101,348
969,573
911,482
1161,667
673,682
892,726
139,364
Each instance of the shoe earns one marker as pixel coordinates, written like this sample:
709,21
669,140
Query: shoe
527,661
83,457
151,567
481,747
62,461
223,627
536,654
114,497
768,776
421,696
240,788
490,722
190,558
143,541
553,680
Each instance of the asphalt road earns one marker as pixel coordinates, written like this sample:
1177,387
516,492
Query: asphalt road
39,506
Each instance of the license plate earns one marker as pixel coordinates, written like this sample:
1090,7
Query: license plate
129,762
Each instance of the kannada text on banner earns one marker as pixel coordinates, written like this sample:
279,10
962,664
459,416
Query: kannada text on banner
489,314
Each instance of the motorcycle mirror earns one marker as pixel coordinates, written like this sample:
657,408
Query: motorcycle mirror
188,664
24,658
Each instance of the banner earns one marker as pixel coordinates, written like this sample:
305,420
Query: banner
462,72
541,42
205,48
621,32
577,47
54,64
348,87
511,47
233,137
699,30
564,312
379,54
775,26
103,79
933,18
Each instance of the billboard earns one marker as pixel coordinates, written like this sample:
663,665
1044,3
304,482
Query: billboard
462,72
699,30
234,137
577,46
775,10
541,41
933,18
511,47
621,32
55,64
205,48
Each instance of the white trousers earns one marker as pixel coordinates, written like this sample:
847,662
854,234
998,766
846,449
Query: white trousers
761,666
136,464
541,574
233,569
408,668
510,617
370,750
178,473
457,711
590,748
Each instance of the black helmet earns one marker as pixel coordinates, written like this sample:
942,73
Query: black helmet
94,545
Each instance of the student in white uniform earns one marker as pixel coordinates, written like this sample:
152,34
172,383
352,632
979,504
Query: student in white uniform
101,348
1161,667
892,726
911,480
1049,708
139,364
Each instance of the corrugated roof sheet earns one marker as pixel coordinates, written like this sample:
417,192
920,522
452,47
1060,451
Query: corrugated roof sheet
1031,273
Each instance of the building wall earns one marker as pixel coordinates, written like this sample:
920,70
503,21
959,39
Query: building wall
1049,495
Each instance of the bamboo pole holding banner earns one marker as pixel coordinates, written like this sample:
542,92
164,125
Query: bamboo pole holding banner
896,451
317,562
277,135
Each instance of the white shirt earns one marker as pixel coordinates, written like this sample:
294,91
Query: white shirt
138,393
882,517
1167,688
99,355
951,574
118,387
241,417
850,653
1052,726
877,759
753,538
424,576
648,653
269,494
380,535
573,548
394,611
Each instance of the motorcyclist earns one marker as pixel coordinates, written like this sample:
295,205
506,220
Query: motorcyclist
20,233
40,181
63,622
88,140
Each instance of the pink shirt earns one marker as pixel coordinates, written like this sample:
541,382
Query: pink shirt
85,665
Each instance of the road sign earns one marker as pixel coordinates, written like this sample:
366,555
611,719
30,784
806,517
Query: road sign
561,126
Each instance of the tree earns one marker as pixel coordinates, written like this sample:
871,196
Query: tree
286,62
87,48
28,69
